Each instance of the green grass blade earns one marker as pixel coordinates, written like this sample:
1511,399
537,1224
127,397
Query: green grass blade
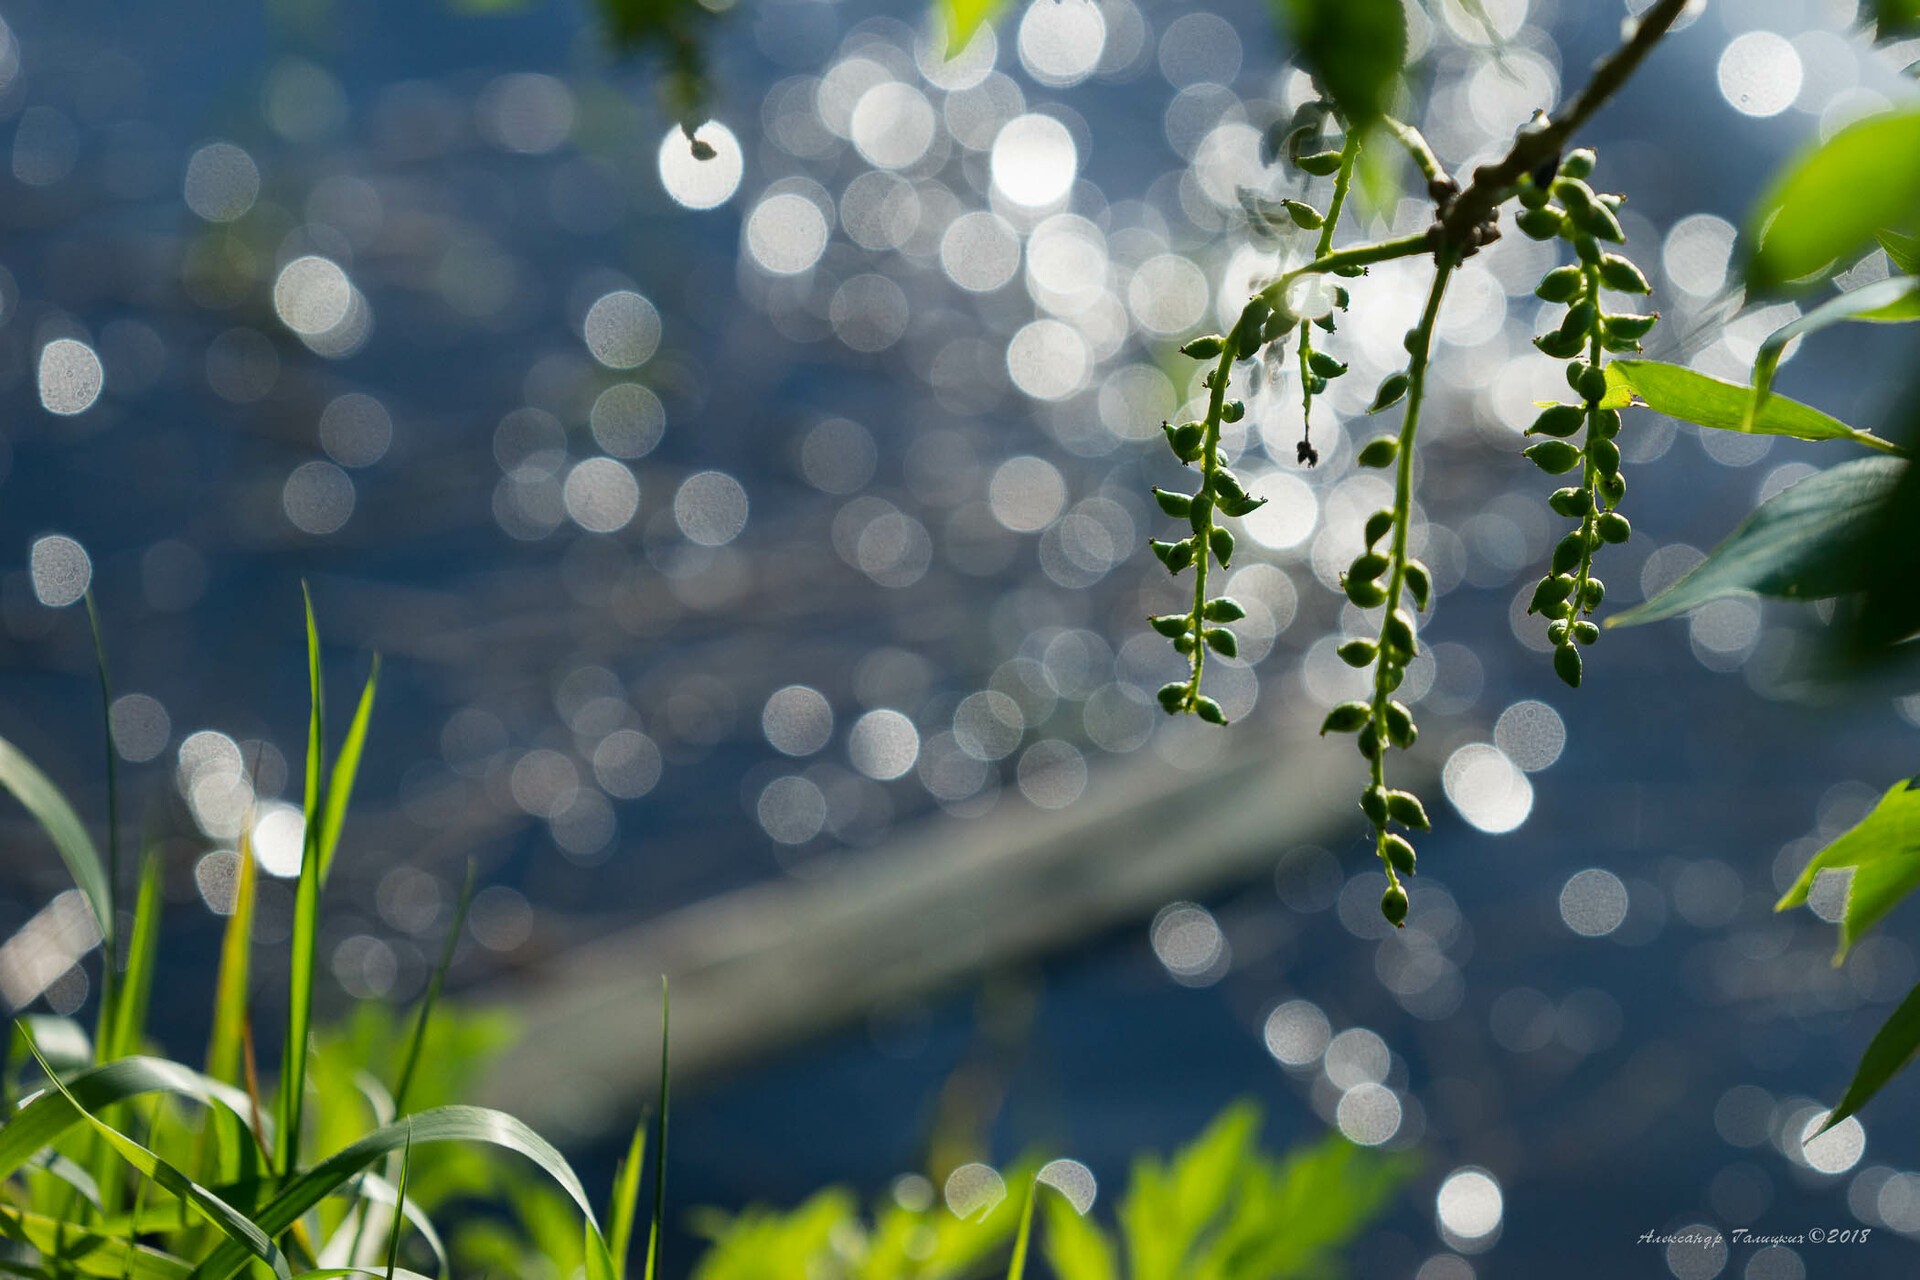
418,1040
230,986
440,1124
87,1251
37,794
660,1145
625,1200
45,1119
239,1230
333,813
399,1218
306,917
109,977
1017,1265
136,984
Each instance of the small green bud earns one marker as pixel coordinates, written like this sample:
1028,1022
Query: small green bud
1598,221
1419,584
1200,512
1574,193
1223,609
1373,803
1379,524
1619,274
1367,566
1585,632
1579,319
1551,591
1397,633
1304,216
1578,164
1320,164
1185,643
1246,335
1172,697
1171,625
1369,741
1592,594
1560,344
1613,527
1346,718
1557,631
1380,452
1325,365
1241,505
1562,284
1405,808
1399,857
1606,458
1606,424
1393,905
1391,389
1532,196
1543,223
1566,664
1232,411
1223,642
1209,710
1570,502
1205,348
1315,384
1186,440
1173,504
1593,384
1175,555
1400,727
1630,328
1553,456
1410,340
1365,592
1358,653
1613,488
1567,552
1325,323
1278,325
1559,421
1222,543
1588,248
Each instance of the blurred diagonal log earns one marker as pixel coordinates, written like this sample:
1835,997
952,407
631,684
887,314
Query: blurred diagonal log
768,965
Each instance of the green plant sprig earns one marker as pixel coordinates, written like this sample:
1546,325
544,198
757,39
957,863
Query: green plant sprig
1383,722
1317,368
1570,592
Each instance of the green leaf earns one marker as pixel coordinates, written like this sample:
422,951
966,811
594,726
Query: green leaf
1892,301
1894,17
136,985
306,914
86,1250
1712,402
625,1199
1075,1246
36,792
1017,1264
1887,1055
1354,48
230,983
1902,250
346,768
1883,849
1831,202
964,18
1799,544
43,1121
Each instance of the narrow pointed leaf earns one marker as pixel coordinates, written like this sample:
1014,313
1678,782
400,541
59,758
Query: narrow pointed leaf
346,768
1712,402
36,792
136,984
230,984
42,1121
1894,301
1887,1055
1883,849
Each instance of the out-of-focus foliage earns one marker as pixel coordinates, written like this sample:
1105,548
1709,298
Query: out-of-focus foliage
1355,48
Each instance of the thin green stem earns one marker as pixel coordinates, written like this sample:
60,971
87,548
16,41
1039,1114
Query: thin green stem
1359,255
1204,527
1416,146
1343,179
1389,665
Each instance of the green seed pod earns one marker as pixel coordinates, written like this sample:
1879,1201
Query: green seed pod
1399,856
1585,632
1358,653
1346,718
1320,164
1562,284
1592,593
1557,631
1405,808
1393,905
1606,457
1325,323
1241,505
1618,345
1551,591
1566,664
1400,727
1578,164
1373,803
1559,421
1560,344
1613,527
1223,642
1200,512
1180,557
1187,440
1593,384
1621,275
1391,676
1396,633
1171,625
1185,644
1379,524
1278,325
1532,194
1209,710
1247,330
1205,348
1567,552
1304,216
1369,741
1223,609
1410,341
1574,193
1316,385
1588,248
1580,318
1174,504
1367,566
1631,328
1613,488
1163,551
1554,457
1606,424
1365,592
1325,365
1543,223
1391,389
1419,584
1172,697
1232,411
1571,503
1380,452
1598,221
1612,199
1222,543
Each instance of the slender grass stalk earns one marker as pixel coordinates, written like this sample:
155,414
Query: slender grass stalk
109,958
624,1200
306,919
1017,1265
399,1206
660,1146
